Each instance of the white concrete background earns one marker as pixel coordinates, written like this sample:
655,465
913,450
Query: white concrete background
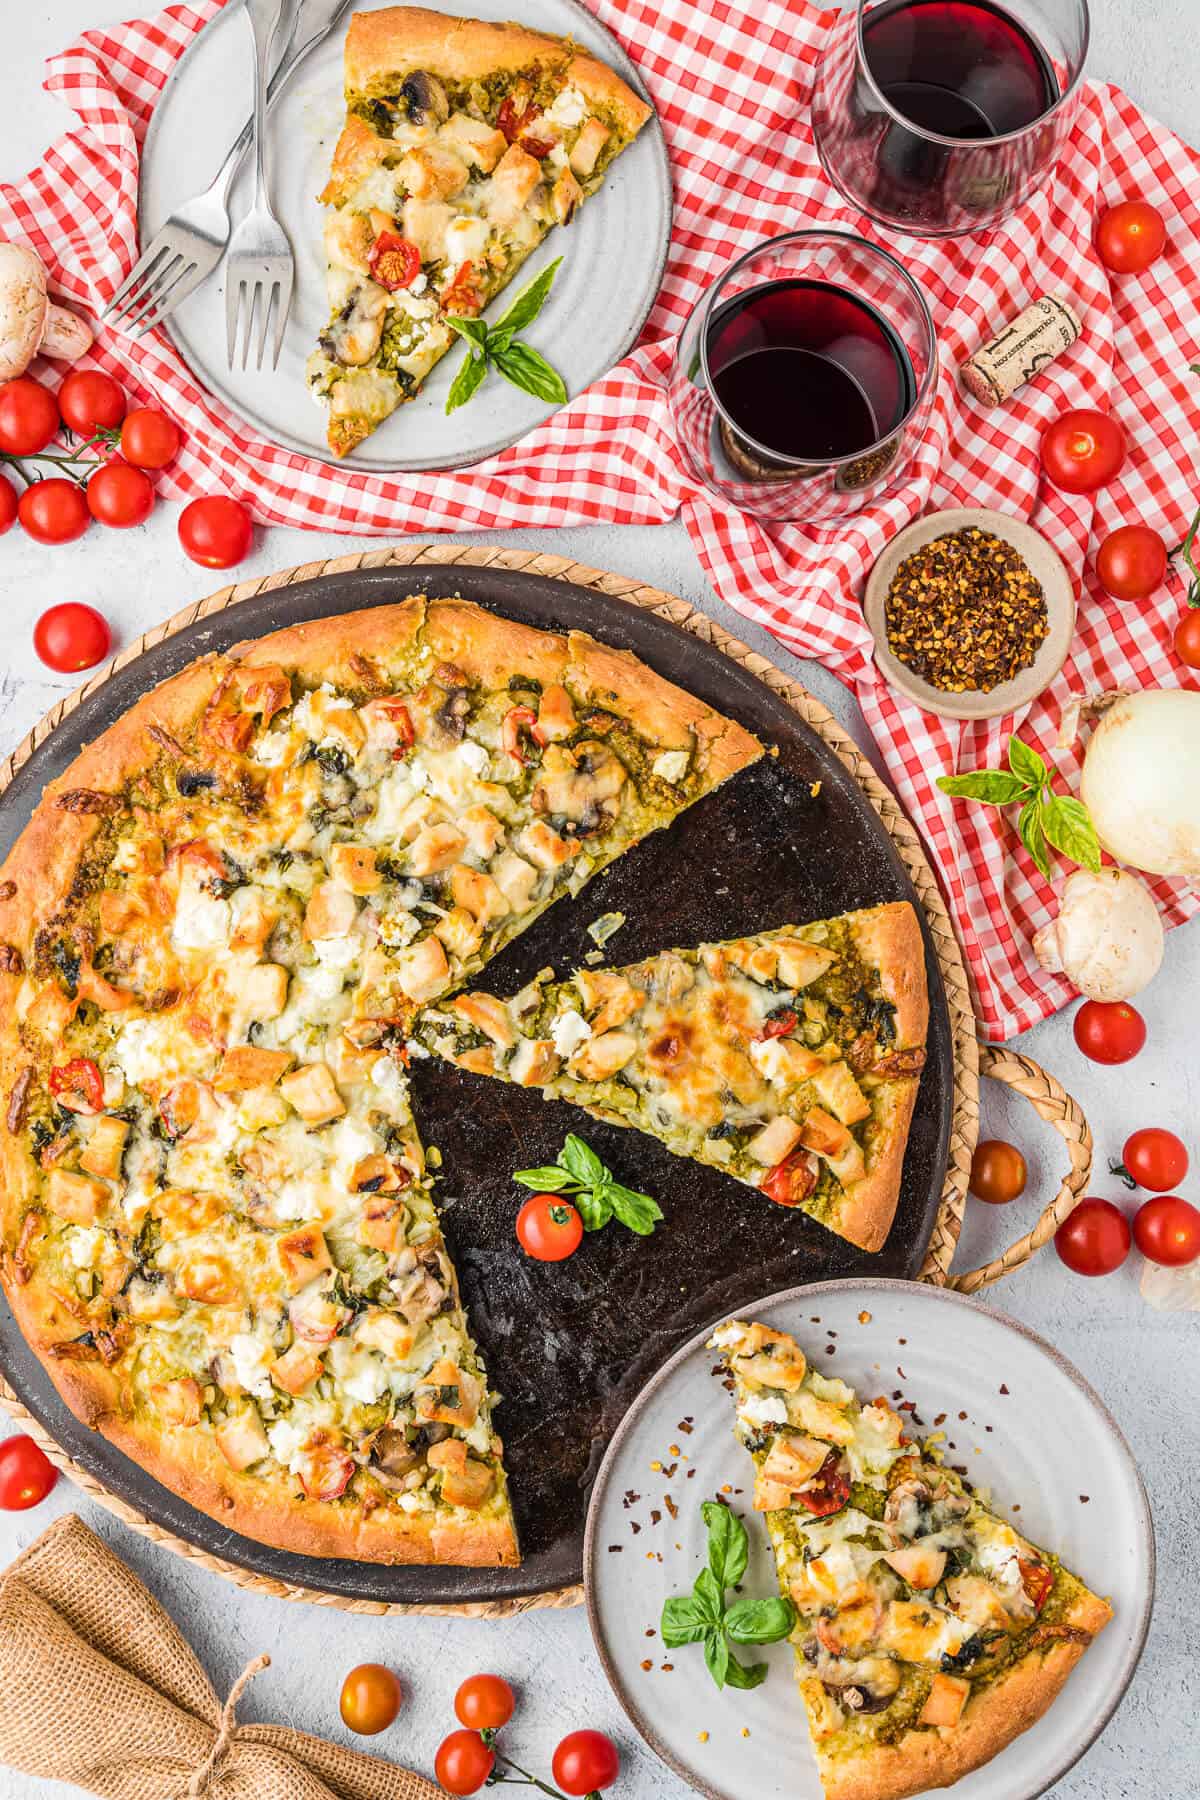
1143,1363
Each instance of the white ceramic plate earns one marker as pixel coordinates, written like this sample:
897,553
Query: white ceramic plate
613,254
1033,1432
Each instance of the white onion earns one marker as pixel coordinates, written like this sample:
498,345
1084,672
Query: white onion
1141,780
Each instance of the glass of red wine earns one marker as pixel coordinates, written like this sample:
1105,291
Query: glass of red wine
804,379
937,117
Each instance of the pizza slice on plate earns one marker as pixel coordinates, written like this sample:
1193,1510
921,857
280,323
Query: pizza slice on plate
929,1632
790,1059
465,144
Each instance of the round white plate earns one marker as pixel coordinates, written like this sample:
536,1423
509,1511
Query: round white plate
613,254
1020,1421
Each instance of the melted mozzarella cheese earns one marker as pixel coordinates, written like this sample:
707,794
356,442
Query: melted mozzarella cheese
569,1031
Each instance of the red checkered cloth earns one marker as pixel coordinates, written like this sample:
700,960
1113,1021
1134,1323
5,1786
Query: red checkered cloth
731,85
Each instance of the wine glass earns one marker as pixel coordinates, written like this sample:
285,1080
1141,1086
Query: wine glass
938,117
803,380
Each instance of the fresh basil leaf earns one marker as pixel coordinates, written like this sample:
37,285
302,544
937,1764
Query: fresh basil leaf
471,372
528,303
528,370
581,1161
682,1622
549,1180
993,786
1029,826
499,339
1026,763
709,1596
728,1545
638,1211
737,1675
474,330
1068,825
759,1621
716,1655
593,1206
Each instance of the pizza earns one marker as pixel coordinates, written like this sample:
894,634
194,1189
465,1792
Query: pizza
790,1059
465,144
218,1230
929,1633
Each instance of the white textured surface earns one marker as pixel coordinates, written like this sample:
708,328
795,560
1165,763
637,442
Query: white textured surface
1142,1363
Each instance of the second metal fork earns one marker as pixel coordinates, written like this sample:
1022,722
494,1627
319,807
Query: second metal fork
261,269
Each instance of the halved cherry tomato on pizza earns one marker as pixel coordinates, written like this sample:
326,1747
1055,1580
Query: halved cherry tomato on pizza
778,1024
1131,236
1083,450
325,1471
400,718
829,1489
1167,1230
26,1474
463,296
484,1702
518,722
791,1180
537,147
549,1228
395,262
1037,1580
78,1085
1154,1159
512,123
370,1699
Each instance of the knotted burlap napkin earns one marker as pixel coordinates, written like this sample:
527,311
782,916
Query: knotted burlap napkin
98,1687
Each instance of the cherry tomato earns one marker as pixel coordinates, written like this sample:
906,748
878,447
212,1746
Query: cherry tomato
549,1228
463,297
777,1024
1130,236
91,401
78,1085
791,1181
1037,1580
1187,637
120,496
1156,1159
149,439
1167,1230
71,636
371,1698
1109,1031
585,1762
216,532
8,505
829,1489
998,1172
1132,562
28,416
1095,1239
395,262
26,1474
54,511
463,1762
484,1702
1082,451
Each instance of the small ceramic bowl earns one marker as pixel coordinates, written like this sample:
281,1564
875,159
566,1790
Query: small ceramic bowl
1040,557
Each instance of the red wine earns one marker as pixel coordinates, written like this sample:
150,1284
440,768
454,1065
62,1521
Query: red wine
809,371
960,68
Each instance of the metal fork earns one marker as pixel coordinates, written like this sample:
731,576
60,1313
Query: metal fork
261,268
187,248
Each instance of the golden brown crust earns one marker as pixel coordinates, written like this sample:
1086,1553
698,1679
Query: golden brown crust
604,89
602,676
489,649
866,1212
889,938
357,151
320,650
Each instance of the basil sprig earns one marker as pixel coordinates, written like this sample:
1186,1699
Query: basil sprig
597,1194
1046,819
702,1616
496,347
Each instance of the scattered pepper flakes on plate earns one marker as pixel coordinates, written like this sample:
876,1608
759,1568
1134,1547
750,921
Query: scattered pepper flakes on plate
702,1736
864,1318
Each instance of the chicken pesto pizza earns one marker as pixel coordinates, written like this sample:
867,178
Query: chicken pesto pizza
929,1633
215,935
465,144
790,1059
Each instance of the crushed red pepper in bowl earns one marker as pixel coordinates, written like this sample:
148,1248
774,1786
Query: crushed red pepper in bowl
965,612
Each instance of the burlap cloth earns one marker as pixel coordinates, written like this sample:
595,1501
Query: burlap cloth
98,1687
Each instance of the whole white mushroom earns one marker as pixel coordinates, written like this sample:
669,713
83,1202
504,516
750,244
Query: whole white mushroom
30,322
1107,938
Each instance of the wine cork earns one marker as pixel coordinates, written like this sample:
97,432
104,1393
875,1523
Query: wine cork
1022,349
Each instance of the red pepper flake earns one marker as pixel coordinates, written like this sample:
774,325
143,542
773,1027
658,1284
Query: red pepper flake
902,1340
631,1499
987,1428
908,1406
1003,1387
670,1470
1084,1498
1016,1506
655,1516
829,1350
647,1664
900,1373
864,1318
615,1548
963,1415
965,612
687,1426
690,1473
668,1668
941,1419
670,1506
650,1632
634,1527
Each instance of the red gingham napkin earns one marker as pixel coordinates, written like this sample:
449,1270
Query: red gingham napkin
731,85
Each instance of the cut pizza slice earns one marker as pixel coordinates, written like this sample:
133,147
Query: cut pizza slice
466,142
929,1632
790,1059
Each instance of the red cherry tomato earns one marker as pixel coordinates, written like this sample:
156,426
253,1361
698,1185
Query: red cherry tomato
1156,1159
54,511
1095,1239
464,296
71,636
484,1702
777,1024
1082,451
829,1489
998,1172
78,1085
120,496
1187,637
26,1474
585,1762
1132,562
28,416
791,1181
394,261
91,401
1109,1031
370,1699
463,1762
549,1228
1167,1230
1130,236
8,505
1037,1580
216,532
149,439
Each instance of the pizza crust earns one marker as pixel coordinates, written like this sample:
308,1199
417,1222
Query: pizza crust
890,939
868,1207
